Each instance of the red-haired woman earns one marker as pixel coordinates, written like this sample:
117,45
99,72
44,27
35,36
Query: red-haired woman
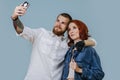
81,63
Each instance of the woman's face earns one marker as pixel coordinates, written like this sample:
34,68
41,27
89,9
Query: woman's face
73,32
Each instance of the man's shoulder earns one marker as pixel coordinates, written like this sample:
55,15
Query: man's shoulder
43,31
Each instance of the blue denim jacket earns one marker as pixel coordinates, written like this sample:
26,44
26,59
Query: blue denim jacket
88,60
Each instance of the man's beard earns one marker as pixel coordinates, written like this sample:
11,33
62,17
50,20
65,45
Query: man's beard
58,33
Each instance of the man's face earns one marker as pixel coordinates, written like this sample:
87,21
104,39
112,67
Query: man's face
60,25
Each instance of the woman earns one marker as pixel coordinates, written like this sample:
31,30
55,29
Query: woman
81,63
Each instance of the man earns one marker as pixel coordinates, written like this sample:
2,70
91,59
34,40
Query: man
49,47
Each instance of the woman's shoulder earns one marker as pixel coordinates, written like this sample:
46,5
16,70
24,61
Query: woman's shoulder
89,49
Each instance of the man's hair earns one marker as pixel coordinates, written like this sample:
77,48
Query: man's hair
65,15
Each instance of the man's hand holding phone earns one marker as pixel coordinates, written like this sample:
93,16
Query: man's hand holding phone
20,10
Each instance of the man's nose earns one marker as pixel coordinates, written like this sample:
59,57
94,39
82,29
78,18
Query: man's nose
59,24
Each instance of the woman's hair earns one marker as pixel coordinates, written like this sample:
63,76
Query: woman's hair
83,31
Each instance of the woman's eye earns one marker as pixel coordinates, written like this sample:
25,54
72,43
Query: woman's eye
74,27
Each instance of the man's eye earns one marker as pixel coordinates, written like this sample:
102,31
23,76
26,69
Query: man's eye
63,22
57,20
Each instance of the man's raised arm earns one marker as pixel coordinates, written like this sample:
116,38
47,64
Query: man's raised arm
19,11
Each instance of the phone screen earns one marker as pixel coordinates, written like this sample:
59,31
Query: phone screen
25,4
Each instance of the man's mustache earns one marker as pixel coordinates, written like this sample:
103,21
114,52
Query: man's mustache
58,27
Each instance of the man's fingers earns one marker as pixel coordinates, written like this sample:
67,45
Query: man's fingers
20,10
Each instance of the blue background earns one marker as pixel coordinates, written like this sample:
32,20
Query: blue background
101,16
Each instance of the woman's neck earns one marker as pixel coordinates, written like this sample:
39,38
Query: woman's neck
75,41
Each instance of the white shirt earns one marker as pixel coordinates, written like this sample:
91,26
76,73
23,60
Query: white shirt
48,53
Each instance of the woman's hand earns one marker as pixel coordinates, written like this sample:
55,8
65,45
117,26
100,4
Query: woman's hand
75,67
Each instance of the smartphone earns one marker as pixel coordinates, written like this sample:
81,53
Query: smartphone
26,4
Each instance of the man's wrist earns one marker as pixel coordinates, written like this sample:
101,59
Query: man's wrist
14,18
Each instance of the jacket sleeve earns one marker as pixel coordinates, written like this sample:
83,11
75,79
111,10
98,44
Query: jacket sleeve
94,70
